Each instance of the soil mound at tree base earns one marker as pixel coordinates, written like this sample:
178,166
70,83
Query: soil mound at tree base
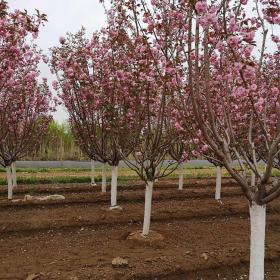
154,238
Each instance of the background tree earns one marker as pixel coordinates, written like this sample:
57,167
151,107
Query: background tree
176,152
218,165
57,144
25,103
180,151
229,85
93,76
235,94
156,81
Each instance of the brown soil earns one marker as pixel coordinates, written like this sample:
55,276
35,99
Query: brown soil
128,185
78,238
154,238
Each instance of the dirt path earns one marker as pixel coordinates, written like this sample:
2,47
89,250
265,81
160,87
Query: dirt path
123,198
87,253
123,186
203,238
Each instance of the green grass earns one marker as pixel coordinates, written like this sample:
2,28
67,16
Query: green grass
63,180
49,170
54,180
77,170
86,179
53,177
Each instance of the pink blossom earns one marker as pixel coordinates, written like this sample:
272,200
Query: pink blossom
248,50
220,46
55,85
201,7
232,25
275,91
204,148
195,153
233,41
253,87
249,72
248,36
62,40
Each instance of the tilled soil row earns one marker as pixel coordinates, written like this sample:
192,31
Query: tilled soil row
207,248
123,186
238,271
71,217
123,197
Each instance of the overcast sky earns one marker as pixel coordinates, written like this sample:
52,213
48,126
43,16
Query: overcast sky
71,15
63,16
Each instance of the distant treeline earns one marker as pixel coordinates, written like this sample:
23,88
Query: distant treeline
58,144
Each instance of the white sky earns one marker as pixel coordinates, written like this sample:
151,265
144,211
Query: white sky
69,16
63,16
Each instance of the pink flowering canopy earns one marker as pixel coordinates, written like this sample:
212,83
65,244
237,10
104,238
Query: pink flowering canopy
96,81
237,100
221,72
160,83
25,103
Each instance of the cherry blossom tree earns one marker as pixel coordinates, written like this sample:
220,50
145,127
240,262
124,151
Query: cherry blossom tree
182,149
157,79
84,131
94,77
25,103
232,82
234,85
154,143
176,152
218,165
92,172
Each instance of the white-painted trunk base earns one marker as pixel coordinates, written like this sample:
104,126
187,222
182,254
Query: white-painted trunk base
117,207
257,249
92,165
10,182
104,183
218,183
148,208
14,174
114,186
181,177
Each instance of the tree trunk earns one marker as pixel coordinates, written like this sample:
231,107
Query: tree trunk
218,183
71,149
181,176
10,182
104,177
148,208
114,185
61,148
92,173
257,250
253,178
14,174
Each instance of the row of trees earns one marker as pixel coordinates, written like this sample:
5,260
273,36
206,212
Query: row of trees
25,101
175,78
58,144
174,72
